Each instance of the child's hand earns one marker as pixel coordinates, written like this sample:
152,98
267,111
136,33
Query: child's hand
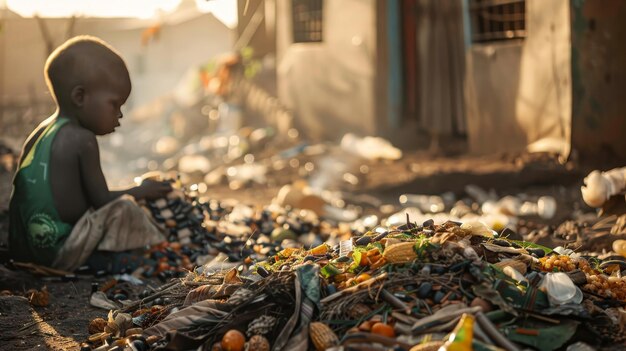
152,190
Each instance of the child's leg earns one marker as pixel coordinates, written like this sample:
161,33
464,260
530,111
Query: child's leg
127,227
117,227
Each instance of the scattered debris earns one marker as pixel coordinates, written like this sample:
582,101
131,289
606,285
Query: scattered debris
401,286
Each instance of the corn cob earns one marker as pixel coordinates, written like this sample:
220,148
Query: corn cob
400,253
322,336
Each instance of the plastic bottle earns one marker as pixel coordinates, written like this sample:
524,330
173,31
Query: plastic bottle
461,337
545,207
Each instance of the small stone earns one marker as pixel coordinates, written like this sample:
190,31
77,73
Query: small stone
501,242
331,289
262,271
510,234
364,240
424,290
137,337
484,304
438,296
120,297
539,253
138,345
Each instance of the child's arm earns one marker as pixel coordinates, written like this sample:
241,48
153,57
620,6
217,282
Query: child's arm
149,189
94,182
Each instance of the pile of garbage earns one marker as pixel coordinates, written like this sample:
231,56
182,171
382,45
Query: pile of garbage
410,286
223,232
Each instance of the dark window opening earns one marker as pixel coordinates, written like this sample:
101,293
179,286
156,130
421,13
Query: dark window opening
307,21
497,20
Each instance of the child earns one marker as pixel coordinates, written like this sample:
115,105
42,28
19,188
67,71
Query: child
61,208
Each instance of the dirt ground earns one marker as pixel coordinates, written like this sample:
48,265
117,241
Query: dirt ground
62,325
59,326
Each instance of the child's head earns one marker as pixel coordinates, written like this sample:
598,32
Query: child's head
89,81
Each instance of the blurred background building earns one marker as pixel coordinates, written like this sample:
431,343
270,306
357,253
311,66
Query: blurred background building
506,74
158,51
485,75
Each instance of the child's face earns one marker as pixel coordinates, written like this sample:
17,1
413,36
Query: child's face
103,100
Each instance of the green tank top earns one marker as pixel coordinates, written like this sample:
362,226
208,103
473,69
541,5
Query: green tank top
36,232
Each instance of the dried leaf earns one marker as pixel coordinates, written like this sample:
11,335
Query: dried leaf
503,249
39,298
232,277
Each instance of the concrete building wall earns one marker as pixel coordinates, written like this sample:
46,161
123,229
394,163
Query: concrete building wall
257,33
155,68
519,92
330,85
599,80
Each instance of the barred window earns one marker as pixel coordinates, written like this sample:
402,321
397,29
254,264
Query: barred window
497,19
307,20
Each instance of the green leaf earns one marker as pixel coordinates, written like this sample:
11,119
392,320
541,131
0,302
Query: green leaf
356,259
548,338
247,52
526,244
423,246
329,271
376,245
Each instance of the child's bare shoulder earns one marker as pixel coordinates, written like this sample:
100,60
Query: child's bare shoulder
74,142
32,138
76,136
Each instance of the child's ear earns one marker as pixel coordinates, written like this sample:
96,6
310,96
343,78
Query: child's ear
78,95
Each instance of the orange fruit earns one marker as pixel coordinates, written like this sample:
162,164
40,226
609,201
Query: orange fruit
384,330
319,250
363,277
163,266
233,340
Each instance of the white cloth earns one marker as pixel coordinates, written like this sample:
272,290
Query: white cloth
118,226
